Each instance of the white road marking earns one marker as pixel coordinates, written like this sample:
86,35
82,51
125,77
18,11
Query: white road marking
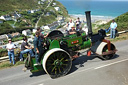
40,84
111,64
95,68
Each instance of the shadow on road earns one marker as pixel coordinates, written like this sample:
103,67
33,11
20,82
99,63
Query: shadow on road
80,61
83,59
37,74
116,56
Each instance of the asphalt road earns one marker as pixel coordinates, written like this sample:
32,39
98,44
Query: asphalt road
85,71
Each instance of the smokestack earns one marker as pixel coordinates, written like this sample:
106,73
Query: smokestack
88,19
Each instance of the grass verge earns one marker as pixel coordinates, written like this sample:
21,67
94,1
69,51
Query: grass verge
121,37
7,64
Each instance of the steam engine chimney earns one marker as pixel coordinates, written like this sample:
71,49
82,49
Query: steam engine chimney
88,19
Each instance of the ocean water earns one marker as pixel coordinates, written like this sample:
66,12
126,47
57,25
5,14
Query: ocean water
97,8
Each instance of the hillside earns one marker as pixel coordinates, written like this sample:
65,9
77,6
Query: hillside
49,19
7,6
122,22
27,19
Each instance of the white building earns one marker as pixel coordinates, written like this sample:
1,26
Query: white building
53,4
34,30
6,17
43,0
26,32
39,2
57,8
46,28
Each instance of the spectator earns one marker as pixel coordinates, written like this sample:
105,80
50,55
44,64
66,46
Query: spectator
25,48
72,30
38,47
78,24
85,29
10,47
71,23
113,27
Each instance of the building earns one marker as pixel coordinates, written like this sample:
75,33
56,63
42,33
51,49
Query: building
51,10
8,36
53,4
34,30
17,34
33,11
1,21
43,0
60,19
46,28
6,17
2,39
54,25
26,32
15,16
57,8
48,14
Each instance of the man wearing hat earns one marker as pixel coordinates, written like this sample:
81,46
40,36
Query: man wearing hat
73,30
10,47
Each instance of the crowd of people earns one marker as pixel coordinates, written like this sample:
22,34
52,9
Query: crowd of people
73,26
35,51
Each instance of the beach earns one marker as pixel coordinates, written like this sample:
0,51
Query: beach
97,20
94,19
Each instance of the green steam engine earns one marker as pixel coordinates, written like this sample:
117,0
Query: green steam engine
61,50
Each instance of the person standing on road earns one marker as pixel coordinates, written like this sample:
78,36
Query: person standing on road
113,27
10,47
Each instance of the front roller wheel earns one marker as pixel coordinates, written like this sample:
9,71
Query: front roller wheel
109,56
57,63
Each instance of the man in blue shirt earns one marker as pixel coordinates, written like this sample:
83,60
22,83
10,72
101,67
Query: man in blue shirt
113,27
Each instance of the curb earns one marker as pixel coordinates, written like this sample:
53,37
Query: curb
2,59
118,33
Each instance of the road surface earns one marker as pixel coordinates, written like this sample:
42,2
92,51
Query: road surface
85,71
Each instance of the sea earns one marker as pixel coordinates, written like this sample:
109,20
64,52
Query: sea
97,8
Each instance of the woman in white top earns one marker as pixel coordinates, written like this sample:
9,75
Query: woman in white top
10,47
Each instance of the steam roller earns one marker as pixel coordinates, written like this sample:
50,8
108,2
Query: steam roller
60,50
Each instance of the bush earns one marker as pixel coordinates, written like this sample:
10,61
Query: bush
122,23
3,52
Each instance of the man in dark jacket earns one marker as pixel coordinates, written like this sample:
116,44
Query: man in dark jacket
38,47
